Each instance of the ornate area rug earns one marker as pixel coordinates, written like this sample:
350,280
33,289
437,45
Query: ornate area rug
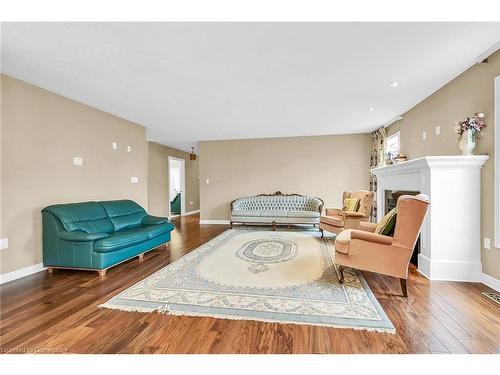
282,276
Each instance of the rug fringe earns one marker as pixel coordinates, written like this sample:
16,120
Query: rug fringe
166,311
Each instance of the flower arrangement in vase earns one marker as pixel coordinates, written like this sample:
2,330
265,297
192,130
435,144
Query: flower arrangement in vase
468,131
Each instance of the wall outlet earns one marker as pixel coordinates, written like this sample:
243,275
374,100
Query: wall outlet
424,135
438,130
77,161
114,145
486,243
207,180
134,180
4,243
191,203
129,148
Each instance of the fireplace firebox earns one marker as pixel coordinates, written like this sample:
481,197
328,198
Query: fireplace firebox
391,200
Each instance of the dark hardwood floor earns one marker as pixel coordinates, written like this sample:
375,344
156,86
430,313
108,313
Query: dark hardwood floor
59,313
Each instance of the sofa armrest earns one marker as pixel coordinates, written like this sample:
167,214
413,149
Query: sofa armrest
79,236
371,237
332,211
367,226
154,220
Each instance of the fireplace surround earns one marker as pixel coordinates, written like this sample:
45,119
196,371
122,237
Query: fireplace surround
450,240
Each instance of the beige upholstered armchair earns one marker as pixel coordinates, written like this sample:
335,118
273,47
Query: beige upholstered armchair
335,220
366,250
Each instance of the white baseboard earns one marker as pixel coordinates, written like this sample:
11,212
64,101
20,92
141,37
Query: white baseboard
490,281
26,271
449,270
190,213
223,222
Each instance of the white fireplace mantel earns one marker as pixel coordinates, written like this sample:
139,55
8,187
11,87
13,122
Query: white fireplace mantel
450,241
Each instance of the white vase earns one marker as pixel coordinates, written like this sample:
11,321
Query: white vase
467,142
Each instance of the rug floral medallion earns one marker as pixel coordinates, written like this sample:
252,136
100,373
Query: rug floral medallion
252,274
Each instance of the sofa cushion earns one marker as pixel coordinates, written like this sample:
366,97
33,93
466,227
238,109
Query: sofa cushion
119,240
88,217
303,214
153,231
273,213
253,213
124,213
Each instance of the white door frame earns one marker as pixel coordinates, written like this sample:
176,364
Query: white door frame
496,220
183,185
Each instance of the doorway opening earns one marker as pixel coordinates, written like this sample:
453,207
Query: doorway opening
176,186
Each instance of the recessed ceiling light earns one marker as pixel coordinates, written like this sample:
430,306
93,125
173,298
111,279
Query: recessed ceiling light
394,84
371,109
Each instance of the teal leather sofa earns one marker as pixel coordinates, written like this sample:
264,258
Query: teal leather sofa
98,235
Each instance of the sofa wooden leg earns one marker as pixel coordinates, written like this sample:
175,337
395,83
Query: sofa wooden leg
50,270
167,245
274,225
141,257
231,224
102,273
322,232
403,287
341,274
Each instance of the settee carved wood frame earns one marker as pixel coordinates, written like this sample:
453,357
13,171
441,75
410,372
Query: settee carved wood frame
273,223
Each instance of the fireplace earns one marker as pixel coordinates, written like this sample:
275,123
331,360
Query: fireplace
391,200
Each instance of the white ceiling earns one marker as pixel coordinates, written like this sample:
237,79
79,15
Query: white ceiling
187,82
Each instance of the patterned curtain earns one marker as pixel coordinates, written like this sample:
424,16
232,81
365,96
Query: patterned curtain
377,159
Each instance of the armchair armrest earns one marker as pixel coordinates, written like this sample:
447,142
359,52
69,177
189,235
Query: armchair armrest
367,226
332,211
353,214
154,220
79,236
371,237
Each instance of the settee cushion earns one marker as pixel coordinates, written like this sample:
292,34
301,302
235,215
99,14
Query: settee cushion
272,213
88,217
303,214
253,213
124,213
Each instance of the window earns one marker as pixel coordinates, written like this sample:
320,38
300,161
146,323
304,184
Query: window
392,145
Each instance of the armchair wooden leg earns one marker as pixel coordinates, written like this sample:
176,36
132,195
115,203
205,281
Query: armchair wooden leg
403,287
341,274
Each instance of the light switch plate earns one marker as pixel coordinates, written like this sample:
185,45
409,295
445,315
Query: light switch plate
486,243
438,130
114,145
207,180
424,135
4,243
129,148
134,180
77,161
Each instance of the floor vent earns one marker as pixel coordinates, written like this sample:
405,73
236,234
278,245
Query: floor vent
493,296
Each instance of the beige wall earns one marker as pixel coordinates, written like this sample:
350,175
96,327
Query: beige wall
470,92
322,166
41,132
158,179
